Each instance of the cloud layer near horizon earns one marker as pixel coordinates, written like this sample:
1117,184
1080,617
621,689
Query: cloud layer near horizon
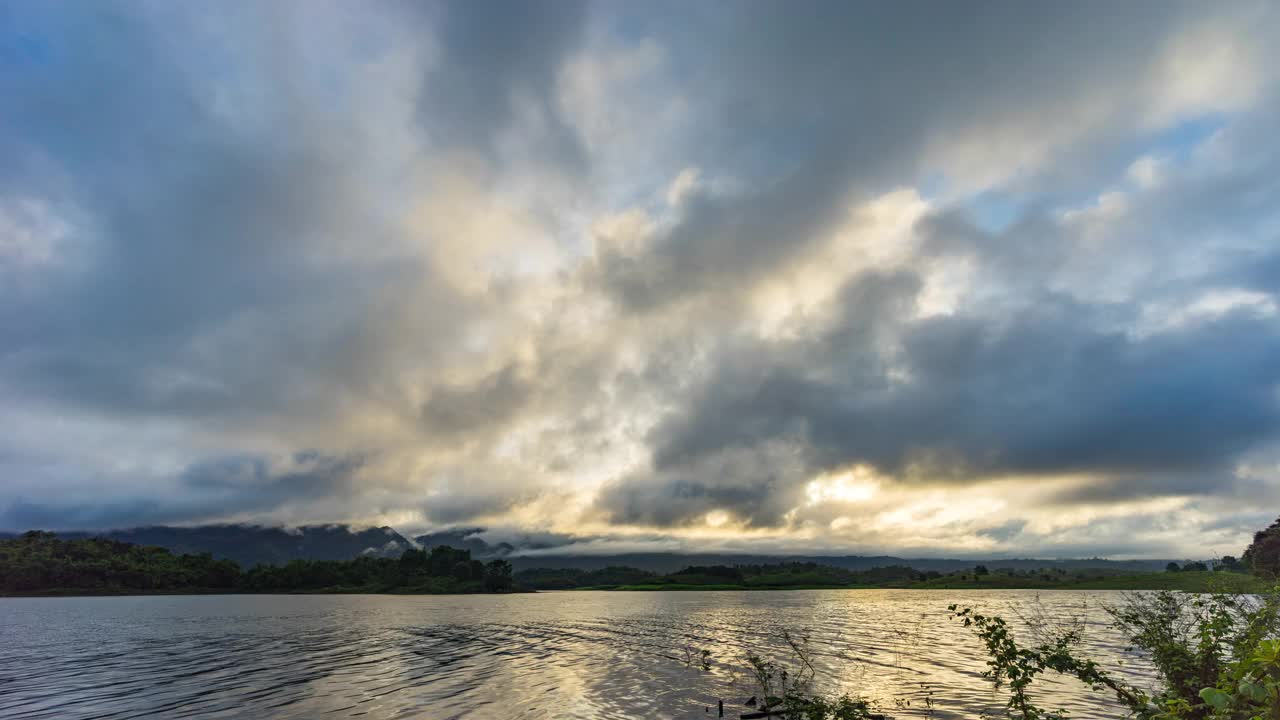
996,278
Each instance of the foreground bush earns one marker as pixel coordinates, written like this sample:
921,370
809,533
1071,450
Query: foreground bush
1217,656
786,687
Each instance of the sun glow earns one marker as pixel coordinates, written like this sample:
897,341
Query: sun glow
717,518
855,484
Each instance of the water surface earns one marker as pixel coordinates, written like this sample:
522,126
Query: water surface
545,655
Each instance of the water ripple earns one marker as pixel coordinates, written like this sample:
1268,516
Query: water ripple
549,655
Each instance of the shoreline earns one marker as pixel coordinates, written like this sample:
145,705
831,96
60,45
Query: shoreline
1194,582
69,593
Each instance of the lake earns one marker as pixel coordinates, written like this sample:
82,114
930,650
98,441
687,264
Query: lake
545,655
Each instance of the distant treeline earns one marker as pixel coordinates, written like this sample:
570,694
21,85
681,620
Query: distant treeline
41,562
814,575
779,575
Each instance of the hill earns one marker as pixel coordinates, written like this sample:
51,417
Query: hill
672,562
41,563
250,545
796,576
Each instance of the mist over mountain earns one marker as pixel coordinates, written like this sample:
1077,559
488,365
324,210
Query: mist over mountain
251,545
466,539
534,552
672,562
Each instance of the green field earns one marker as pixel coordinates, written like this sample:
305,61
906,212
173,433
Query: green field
1187,581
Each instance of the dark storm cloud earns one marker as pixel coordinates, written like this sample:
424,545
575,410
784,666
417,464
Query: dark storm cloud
721,242
223,190
1111,488
1005,532
827,103
1259,273
208,226
757,484
787,378
452,410
496,56
254,480
463,507
1025,381
249,263
22,515
1043,391
195,220
206,491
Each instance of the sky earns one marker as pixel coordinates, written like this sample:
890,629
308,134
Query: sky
966,279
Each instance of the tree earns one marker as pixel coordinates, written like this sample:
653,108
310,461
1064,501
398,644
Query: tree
1229,563
1172,567
981,570
1263,554
497,575
413,560
1195,567
443,559
40,562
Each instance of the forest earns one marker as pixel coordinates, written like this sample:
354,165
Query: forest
41,563
1197,577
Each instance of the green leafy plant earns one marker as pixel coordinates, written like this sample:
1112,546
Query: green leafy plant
1248,689
1016,667
1217,655
1211,651
787,687
697,657
922,703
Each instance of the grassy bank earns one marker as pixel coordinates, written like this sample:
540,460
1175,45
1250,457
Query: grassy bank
1186,581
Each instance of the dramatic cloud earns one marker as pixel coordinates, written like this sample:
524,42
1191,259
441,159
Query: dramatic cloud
993,278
